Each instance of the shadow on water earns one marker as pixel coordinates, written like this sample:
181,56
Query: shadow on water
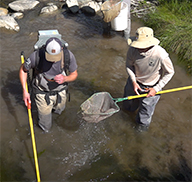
12,172
70,124
11,86
11,92
12,89
93,25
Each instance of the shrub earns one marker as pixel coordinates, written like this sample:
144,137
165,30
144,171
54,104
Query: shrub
172,23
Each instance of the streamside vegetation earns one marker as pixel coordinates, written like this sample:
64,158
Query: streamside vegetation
172,23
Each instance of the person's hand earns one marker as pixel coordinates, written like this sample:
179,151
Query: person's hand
26,98
151,92
60,78
136,87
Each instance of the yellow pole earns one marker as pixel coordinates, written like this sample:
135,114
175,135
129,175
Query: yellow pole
32,132
161,92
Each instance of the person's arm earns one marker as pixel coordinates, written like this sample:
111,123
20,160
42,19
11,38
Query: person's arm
168,69
23,80
61,78
168,72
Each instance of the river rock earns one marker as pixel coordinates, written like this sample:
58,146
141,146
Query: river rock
9,22
3,11
17,15
94,5
73,6
82,2
22,5
48,9
88,11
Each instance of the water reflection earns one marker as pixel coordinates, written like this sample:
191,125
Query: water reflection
74,150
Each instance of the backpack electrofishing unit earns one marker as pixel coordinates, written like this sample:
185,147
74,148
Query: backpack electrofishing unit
43,36
39,47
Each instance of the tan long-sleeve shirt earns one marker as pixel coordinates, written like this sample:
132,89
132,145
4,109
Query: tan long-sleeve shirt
151,67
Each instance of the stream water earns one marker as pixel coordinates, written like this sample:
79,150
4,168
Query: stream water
75,150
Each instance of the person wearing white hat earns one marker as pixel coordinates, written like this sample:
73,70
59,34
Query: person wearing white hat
50,79
149,69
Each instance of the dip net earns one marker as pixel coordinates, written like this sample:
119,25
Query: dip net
98,107
111,9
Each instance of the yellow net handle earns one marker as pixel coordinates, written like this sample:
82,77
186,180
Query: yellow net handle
32,131
161,92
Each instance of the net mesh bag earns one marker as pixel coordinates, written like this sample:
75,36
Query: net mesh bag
98,107
111,9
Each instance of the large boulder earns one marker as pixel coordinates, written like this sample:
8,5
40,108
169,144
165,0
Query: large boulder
22,5
9,22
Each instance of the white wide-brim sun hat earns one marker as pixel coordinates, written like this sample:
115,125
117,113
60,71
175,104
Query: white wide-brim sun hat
144,38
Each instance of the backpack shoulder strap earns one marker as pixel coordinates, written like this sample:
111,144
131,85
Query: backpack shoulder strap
38,61
37,58
66,59
40,58
66,66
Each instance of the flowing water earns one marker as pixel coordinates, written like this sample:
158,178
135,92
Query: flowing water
75,150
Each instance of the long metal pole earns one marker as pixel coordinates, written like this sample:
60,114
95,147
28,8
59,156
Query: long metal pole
32,131
160,92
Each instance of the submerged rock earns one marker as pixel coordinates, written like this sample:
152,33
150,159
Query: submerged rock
9,22
87,10
17,15
73,6
48,9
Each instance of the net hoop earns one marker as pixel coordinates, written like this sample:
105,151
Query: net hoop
111,9
98,107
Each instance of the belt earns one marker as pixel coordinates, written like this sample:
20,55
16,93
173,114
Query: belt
50,80
47,99
146,86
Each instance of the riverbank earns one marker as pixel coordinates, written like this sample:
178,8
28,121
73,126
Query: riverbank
172,23
170,20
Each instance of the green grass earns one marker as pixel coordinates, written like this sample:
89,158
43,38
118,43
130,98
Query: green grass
172,24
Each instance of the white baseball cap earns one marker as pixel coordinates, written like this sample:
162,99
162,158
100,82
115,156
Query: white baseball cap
53,49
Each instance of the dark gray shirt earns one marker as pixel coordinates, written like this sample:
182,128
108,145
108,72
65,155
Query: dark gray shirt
49,71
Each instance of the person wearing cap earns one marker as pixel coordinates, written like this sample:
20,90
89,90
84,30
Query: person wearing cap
149,69
50,81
